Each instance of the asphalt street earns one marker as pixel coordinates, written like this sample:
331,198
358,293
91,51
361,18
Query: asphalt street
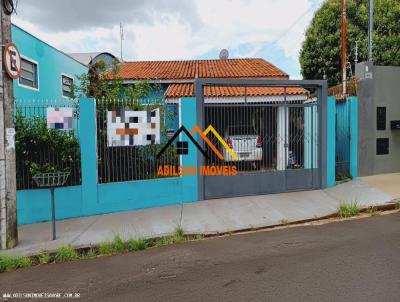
357,260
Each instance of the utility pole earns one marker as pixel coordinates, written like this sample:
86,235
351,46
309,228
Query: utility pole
8,213
370,29
344,65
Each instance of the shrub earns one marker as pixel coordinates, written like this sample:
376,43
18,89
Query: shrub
179,231
118,244
285,221
373,212
91,253
164,241
106,248
135,245
25,262
348,209
66,253
44,258
8,263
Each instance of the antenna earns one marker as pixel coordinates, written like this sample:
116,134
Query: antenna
224,54
121,34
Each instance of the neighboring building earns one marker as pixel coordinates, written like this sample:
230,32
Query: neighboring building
378,118
94,57
46,72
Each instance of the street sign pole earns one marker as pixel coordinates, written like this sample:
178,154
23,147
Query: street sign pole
8,208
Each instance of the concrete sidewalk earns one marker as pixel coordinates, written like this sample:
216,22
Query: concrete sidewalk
206,217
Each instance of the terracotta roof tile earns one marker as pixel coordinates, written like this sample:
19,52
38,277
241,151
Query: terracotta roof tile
185,70
186,90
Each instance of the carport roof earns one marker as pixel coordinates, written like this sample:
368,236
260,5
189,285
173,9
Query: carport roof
187,90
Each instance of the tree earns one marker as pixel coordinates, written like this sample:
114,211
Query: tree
321,49
103,82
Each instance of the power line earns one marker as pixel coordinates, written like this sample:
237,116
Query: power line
286,31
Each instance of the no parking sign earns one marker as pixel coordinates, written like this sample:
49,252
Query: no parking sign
12,60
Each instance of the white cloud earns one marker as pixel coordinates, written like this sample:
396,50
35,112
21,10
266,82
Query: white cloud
245,27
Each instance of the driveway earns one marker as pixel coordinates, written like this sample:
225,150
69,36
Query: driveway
356,260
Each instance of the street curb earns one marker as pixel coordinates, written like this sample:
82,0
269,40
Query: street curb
387,207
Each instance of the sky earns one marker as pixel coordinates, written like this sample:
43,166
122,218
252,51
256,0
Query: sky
174,29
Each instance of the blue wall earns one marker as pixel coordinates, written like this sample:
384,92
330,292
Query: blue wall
311,136
331,142
353,136
51,64
92,198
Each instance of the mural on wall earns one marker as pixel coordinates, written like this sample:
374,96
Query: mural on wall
59,118
133,128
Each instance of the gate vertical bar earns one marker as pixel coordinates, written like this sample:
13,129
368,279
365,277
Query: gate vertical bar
199,95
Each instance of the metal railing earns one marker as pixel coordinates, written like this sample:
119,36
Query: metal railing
252,132
123,153
264,126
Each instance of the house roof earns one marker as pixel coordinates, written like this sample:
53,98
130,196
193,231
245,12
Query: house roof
51,46
189,70
187,90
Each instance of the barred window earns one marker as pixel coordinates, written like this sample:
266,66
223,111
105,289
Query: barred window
67,84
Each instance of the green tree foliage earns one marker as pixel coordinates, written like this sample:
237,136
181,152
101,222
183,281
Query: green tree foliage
103,82
321,50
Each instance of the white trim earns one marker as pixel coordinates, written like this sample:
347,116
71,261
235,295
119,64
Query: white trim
37,74
172,100
62,92
252,99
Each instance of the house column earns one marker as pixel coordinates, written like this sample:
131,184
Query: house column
282,137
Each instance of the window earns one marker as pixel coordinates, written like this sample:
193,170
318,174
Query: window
29,74
67,84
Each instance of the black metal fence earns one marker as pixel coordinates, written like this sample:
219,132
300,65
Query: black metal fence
254,131
40,149
127,140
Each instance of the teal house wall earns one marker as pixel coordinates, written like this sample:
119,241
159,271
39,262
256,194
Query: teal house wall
92,198
51,64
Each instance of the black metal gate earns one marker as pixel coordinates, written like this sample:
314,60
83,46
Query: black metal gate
275,144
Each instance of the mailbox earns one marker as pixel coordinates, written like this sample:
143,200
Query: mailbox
395,125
